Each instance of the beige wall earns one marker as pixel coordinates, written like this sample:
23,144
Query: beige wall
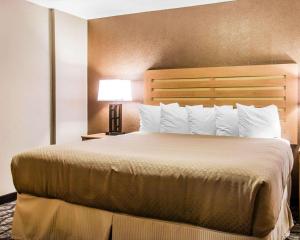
24,82
242,32
71,77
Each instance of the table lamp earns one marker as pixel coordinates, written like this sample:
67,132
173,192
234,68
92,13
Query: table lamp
115,90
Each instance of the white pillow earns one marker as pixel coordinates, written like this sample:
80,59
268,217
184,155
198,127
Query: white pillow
173,119
259,122
150,117
201,120
226,121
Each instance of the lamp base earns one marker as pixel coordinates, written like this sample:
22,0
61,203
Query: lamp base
115,119
114,133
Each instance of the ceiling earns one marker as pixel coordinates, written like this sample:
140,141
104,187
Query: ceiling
90,9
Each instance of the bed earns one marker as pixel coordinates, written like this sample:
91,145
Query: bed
169,186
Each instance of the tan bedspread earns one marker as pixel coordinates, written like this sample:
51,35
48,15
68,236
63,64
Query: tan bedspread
223,183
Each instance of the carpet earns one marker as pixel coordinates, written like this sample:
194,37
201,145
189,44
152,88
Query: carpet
6,217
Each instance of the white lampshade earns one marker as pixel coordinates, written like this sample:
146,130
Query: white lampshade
114,90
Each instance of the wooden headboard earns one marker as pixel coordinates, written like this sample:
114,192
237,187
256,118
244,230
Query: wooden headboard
258,85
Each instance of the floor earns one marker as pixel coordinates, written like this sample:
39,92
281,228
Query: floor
7,211
6,216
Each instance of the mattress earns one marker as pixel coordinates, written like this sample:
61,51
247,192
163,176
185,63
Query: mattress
228,184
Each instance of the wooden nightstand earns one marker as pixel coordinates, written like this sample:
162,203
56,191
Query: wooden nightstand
93,136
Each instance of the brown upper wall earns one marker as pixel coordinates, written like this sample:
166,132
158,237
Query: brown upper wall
243,32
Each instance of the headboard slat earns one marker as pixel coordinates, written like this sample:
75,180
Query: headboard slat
196,83
258,85
220,92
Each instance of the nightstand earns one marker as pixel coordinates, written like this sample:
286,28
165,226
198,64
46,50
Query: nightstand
93,136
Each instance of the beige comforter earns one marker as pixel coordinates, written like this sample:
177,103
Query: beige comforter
223,183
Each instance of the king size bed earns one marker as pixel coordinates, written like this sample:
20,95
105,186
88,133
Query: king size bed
169,186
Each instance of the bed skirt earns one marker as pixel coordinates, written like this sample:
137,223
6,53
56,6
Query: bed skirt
42,218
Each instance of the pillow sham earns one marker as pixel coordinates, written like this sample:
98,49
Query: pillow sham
150,117
173,119
226,121
259,122
201,120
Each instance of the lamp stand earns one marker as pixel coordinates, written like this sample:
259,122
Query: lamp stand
115,119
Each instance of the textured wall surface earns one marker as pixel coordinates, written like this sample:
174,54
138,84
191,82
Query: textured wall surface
243,32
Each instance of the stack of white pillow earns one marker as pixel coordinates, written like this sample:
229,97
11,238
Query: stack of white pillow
244,121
